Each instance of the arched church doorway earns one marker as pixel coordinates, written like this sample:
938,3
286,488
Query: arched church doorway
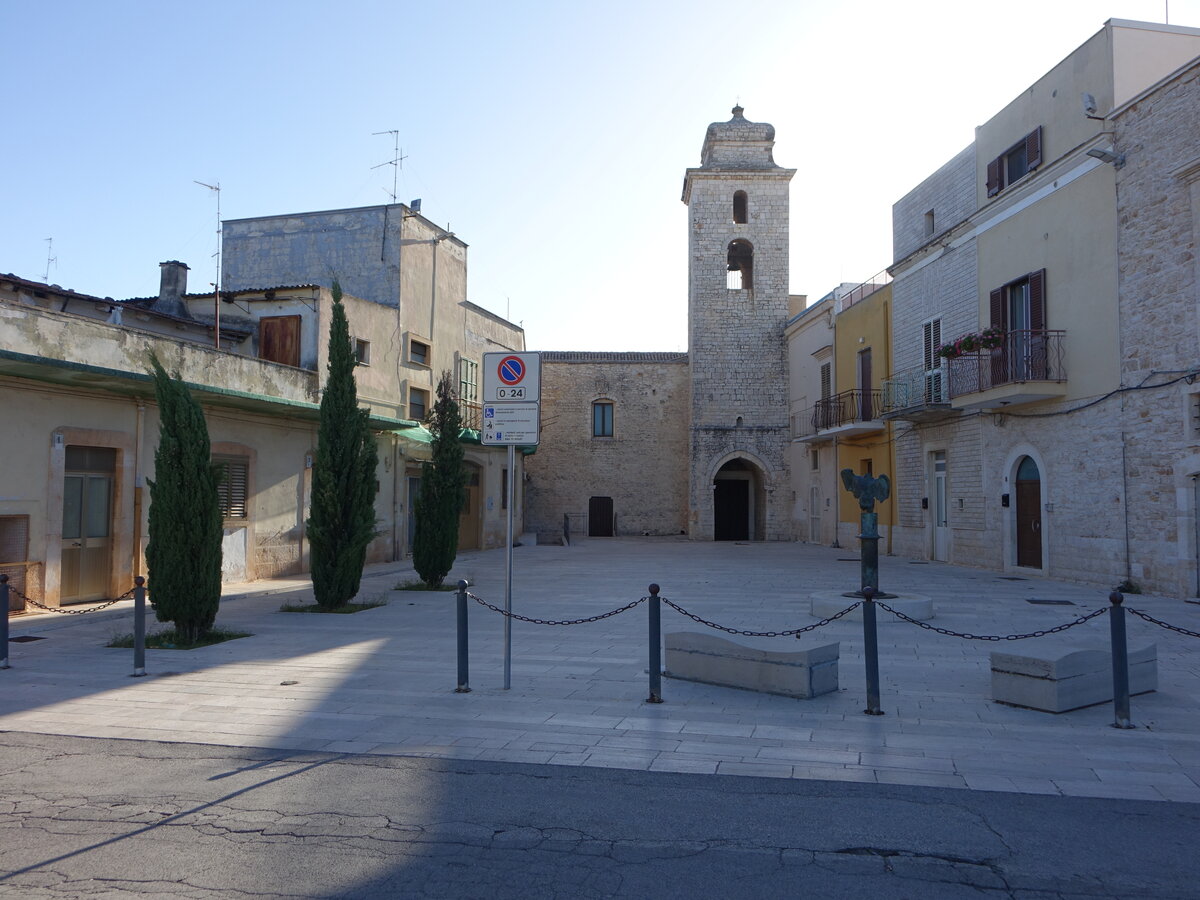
738,503
1029,514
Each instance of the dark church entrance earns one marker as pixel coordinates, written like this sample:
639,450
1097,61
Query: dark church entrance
736,502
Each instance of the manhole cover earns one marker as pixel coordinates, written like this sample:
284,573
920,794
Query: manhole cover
1049,602
25,639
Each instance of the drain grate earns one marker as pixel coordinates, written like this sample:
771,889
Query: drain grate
25,638
849,559
1049,602
1011,578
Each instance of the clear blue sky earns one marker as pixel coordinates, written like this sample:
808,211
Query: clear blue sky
550,136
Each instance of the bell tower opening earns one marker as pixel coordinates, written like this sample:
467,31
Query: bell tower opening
741,265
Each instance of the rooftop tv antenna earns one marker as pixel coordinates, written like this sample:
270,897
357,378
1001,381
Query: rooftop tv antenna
396,162
49,258
216,189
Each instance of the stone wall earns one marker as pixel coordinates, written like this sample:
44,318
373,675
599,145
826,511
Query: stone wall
642,467
1158,204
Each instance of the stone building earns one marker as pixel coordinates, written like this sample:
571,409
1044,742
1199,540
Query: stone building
1013,355
1156,137
721,469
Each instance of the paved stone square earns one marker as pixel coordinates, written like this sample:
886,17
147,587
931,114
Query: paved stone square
382,681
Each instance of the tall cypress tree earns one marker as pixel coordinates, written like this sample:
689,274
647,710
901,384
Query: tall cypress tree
342,520
437,507
185,527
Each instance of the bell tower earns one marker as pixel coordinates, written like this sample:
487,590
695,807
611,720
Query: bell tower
737,308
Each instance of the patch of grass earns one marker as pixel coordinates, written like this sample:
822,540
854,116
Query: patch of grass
169,640
422,586
1129,587
345,609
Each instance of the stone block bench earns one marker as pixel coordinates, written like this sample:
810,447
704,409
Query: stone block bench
1057,677
693,656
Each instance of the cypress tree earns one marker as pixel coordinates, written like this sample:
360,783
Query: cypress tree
342,519
437,507
183,554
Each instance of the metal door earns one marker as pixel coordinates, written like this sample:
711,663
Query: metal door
600,517
941,521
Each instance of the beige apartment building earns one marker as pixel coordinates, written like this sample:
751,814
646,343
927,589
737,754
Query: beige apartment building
74,373
1012,443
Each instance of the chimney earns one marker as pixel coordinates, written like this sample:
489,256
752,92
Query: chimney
172,287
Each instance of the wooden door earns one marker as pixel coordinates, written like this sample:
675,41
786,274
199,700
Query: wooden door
600,517
279,339
1029,515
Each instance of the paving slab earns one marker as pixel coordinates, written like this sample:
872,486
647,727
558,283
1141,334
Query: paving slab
382,681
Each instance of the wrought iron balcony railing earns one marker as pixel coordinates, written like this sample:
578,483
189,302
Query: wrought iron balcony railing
916,388
1024,356
847,408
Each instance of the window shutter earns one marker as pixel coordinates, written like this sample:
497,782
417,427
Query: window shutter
826,381
1037,300
279,339
994,170
231,492
1033,148
999,317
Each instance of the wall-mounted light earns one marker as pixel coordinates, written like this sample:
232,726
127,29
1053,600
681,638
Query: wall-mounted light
308,461
1107,155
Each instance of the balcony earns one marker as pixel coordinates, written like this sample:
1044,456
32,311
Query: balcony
848,414
917,395
1028,367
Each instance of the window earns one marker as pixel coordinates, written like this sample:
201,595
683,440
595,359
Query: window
1019,310
602,419
740,265
739,207
468,380
279,339
930,224
418,352
1015,162
418,404
1194,416
826,380
362,352
815,458
14,552
232,489
866,467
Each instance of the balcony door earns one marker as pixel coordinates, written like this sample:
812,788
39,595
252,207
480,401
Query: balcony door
866,409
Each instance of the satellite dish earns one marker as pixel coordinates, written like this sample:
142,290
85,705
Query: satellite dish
1089,104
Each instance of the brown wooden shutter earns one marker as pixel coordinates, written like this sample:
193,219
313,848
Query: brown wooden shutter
1037,300
999,315
994,180
1033,148
279,339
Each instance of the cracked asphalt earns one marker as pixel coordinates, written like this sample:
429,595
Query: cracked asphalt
88,817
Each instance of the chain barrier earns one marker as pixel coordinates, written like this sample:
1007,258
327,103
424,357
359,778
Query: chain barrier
793,631
1153,621
69,612
992,637
520,618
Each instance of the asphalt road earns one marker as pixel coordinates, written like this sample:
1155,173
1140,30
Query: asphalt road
82,817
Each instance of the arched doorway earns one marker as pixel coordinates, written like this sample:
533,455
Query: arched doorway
1029,514
738,506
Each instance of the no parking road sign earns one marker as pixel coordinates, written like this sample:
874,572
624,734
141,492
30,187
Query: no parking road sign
512,377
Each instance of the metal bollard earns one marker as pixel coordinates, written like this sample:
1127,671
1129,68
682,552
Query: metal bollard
4,628
463,687
1120,661
139,627
871,652
655,613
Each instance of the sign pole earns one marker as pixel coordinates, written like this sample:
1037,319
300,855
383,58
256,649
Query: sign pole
508,569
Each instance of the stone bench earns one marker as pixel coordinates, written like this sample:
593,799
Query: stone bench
693,656
1057,677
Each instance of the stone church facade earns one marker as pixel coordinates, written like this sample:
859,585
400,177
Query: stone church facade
695,443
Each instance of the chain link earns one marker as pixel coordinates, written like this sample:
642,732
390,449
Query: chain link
1153,621
69,612
520,618
793,631
992,637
